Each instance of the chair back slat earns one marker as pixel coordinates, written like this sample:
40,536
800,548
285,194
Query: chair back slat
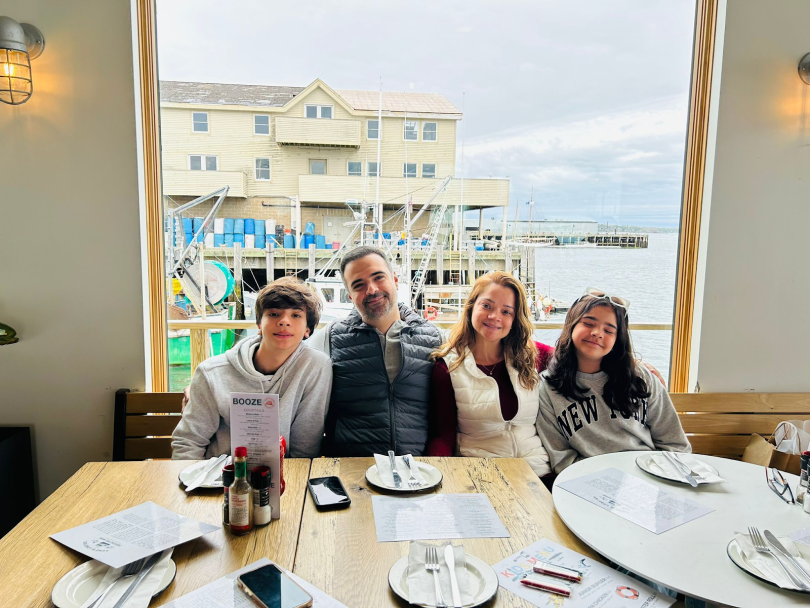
143,449
144,423
154,403
151,426
752,403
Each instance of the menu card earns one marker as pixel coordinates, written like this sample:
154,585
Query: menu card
129,535
254,425
635,500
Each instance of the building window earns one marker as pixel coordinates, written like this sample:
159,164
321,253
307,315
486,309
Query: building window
408,169
263,169
372,129
371,170
261,124
199,122
429,131
428,169
201,162
317,167
355,168
410,133
318,111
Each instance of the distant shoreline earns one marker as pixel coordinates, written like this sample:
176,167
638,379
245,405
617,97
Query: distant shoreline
609,228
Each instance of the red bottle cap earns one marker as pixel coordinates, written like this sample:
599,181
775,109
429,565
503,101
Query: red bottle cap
240,452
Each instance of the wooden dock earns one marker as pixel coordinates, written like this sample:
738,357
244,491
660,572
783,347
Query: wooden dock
600,239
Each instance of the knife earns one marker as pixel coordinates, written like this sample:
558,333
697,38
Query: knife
149,564
450,560
678,464
397,478
200,479
774,542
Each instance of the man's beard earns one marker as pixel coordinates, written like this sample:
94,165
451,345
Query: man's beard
378,311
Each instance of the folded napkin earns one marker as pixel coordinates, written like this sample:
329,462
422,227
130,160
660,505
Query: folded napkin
767,566
701,472
142,595
387,477
421,589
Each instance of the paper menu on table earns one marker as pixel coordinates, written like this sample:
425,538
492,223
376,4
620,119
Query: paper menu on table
635,500
224,592
601,585
254,425
129,535
437,516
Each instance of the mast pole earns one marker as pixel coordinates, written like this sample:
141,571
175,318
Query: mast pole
378,213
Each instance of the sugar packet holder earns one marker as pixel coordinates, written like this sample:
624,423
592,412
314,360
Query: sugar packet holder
547,584
568,574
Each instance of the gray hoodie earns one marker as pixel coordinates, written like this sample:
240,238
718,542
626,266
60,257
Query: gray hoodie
303,384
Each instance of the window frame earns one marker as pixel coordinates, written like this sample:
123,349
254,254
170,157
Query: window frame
203,163
436,132
409,175
319,107
405,123
378,168
379,129
422,172
207,122
269,169
255,116
348,169
318,160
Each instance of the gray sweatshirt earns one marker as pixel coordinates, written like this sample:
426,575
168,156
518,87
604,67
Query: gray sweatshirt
303,384
572,430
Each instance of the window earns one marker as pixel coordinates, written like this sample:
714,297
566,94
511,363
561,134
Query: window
410,133
199,122
263,169
428,169
328,294
201,162
318,111
408,169
372,129
355,168
371,169
344,297
429,131
261,124
317,167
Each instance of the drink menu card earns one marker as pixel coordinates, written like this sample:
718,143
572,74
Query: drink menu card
224,592
254,425
601,586
438,516
635,500
129,535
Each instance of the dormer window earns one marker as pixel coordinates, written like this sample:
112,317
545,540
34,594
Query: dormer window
313,111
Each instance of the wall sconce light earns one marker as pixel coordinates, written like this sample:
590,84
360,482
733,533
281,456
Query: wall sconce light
804,68
19,43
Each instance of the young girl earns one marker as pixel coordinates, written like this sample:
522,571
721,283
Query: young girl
485,381
595,398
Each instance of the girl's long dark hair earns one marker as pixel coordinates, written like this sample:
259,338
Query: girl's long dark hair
625,387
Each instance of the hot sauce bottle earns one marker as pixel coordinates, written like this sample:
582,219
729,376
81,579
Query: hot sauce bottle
240,496
227,480
282,450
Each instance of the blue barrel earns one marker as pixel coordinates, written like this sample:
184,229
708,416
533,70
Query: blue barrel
387,236
238,226
197,224
260,241
259,227
219,240
308,240
289,241
239,238
189,236
200,237
250,226
320,241
228,240
309,228
188,225
401,242
228,226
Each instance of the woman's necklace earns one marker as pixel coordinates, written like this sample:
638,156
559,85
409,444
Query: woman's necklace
489,369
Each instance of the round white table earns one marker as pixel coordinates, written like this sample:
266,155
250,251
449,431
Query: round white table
691,558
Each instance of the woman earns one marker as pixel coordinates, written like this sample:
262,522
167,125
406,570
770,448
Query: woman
485,385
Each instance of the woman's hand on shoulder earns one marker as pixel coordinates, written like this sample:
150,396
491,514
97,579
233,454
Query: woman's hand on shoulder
655,373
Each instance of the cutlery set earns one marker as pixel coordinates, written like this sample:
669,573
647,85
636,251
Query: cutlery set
139,569
767,544
413,482
432,565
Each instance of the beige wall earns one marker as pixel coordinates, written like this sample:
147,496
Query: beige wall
71,247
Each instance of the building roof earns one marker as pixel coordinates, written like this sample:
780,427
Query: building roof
210,93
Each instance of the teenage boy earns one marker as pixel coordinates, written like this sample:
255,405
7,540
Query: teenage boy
275,361
380,363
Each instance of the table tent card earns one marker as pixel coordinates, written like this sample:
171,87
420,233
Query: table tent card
225,593
635,500
254,425
129,535
601,586
434,517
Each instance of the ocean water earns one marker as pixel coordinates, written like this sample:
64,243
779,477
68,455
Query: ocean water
646,277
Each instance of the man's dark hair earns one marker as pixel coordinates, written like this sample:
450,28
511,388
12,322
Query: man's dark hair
289,292
361,252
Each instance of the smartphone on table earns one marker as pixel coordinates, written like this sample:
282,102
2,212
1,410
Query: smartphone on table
269,587
328,493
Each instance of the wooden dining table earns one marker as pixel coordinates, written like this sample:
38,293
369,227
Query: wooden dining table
337,551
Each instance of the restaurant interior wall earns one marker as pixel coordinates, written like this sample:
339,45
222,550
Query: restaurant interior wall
753,330
74,293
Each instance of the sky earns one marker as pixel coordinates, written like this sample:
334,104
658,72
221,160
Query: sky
581,103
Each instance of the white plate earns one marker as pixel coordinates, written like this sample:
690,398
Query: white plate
432,475
738,557
481,577
188,474
76,586
648,465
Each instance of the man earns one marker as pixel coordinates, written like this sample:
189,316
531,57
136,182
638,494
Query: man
380,366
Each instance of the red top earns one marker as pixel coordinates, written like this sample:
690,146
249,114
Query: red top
240,452
443,409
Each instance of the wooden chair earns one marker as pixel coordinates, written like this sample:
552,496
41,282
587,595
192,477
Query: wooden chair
723,423
144,423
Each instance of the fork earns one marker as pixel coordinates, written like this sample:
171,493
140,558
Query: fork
432,565
762,547
130,569
412,480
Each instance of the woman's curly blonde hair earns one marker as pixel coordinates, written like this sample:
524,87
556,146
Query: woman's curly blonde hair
519,349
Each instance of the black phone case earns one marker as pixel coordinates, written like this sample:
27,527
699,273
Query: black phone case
333,506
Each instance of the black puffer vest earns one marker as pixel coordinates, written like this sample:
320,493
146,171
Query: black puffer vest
367,413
